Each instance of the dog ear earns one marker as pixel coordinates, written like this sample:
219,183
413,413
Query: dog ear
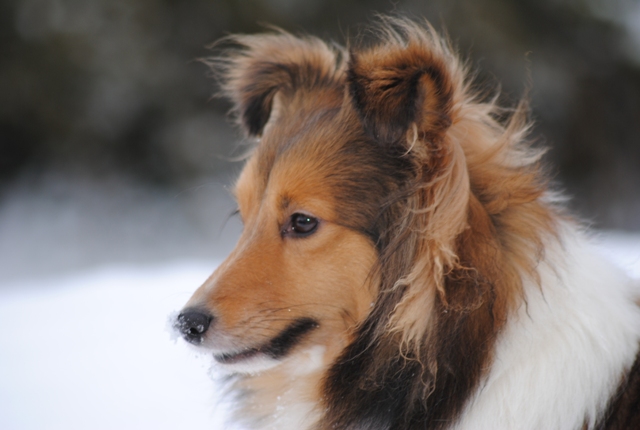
269,64
253,93
394,87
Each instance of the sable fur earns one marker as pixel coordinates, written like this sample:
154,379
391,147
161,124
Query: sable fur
623,410
437,231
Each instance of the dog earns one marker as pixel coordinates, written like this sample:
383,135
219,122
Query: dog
404,263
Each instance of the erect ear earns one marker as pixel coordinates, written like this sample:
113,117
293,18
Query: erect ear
397,85
269,64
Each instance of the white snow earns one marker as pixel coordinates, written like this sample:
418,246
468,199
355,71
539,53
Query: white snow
92,351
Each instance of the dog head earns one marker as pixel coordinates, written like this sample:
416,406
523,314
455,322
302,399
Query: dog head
309,197
378,204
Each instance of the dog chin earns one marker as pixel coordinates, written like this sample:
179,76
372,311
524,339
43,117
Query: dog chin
303,362
244,363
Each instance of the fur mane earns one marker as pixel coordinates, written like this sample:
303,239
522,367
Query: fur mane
463,233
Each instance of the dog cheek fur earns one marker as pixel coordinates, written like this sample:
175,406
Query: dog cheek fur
446,291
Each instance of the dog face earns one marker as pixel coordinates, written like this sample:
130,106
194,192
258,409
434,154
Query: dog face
301,273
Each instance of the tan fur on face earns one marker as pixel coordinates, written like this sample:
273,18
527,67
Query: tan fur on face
270,280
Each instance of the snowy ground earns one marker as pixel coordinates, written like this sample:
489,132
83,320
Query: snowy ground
92,351
90,270
87,347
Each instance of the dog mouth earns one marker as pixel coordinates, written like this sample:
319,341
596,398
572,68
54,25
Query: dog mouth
277,347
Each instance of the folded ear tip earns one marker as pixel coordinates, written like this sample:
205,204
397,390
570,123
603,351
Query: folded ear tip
398,84
262,65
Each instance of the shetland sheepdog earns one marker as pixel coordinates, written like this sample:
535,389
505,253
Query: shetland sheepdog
403,263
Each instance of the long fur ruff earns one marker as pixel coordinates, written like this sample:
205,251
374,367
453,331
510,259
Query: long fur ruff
404,264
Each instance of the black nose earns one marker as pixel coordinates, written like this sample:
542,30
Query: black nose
193,324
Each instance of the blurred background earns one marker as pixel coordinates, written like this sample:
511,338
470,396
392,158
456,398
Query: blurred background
112,149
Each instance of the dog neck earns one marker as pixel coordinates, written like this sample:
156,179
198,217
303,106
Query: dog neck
284,397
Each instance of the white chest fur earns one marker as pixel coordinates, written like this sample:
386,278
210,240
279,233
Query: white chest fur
563,354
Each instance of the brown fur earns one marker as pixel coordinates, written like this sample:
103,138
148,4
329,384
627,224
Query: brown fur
623,412
432,211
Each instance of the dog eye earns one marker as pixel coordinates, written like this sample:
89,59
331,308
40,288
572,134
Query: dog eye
302,225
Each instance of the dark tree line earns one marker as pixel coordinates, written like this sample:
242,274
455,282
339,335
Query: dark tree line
106,85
